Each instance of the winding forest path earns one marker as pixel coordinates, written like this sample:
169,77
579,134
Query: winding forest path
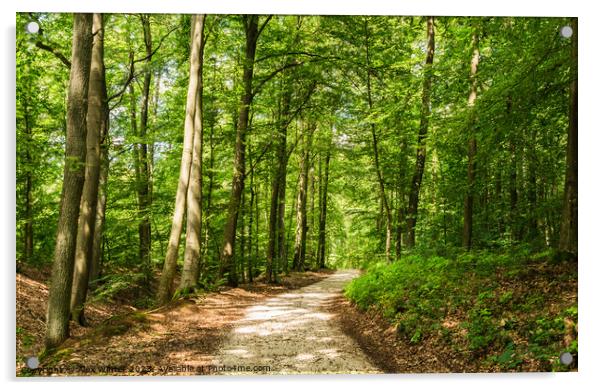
264,329
293,333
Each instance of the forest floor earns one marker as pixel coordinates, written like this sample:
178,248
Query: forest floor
303,326
259,328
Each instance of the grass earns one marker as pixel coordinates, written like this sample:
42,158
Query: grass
503,311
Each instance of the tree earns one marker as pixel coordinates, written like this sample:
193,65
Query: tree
169,266
192,255
472,144
57,322
568,228
95,263
422,132
323,194
385,203
28,228
143,179
278,184
301,230
97,117
227,266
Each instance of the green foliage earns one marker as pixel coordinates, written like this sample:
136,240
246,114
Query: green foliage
27,339
508,359
520,127
117,284
488,295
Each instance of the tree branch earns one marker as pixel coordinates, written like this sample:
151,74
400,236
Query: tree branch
54,51
158,46
263,25
302,105
134,61
127,81
260,157
273,74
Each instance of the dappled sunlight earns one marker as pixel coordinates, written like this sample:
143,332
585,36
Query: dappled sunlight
241,352
331,353
305,356
294,333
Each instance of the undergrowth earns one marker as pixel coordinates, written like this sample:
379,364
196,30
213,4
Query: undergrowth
508,311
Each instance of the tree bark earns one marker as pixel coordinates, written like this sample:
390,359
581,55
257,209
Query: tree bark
383,194
256,219
514,231
143,184
243,237
169,266
567,245
250,262
192,254
57,323
301,230
227,268
323,210
96,117
274,251
425,115
472,145
381,183
531,190
28,228
399,231
95,264
282,255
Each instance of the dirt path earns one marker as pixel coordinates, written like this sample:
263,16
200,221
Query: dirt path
294,333
290,328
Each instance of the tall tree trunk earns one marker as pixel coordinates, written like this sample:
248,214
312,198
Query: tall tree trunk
143,185
401,206
301,230
210,175
381,183
320,178
274,236
272,226
251,260
282,255
531,189
288,232
28,228
96,117
59,299
249,238
567,245
472,145
169,266
323,209
383,195
151,143
243,237
227,267
425,115
513,175
399,228
95,264
311,212
256,219
499,200
192,254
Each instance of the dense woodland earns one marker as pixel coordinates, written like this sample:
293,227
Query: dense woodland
168,154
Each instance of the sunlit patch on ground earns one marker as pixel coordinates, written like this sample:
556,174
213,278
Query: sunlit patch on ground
294,333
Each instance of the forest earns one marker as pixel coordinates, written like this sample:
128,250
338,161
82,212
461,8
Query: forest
417,175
